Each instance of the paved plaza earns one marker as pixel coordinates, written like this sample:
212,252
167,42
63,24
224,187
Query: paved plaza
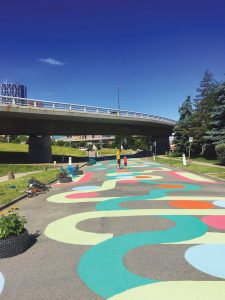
146,233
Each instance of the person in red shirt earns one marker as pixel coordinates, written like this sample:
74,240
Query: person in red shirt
125,162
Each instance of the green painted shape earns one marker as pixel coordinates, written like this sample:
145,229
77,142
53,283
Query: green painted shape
102,268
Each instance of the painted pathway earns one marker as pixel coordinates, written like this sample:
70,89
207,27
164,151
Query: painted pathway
185,200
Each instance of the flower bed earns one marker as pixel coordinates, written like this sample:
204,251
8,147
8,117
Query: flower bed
14,238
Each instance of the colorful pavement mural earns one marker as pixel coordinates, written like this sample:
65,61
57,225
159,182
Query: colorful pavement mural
195,220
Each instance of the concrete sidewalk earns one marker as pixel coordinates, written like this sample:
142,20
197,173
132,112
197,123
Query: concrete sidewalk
19,175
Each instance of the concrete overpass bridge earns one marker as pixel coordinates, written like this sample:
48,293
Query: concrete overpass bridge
40,119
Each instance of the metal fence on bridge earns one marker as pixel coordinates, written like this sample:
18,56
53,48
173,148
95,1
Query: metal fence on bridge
59,106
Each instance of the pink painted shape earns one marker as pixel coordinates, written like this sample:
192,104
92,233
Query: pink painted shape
129,181
174,174
84,179
83,195
183,178
215,221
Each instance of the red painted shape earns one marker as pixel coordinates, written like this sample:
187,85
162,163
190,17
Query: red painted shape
84,179
170,186
83,195
190,204
215,221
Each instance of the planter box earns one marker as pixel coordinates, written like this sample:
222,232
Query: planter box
14,245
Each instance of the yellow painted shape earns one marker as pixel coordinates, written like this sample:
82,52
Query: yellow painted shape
128,173
194,177
65,230
175,290
60,199
207,238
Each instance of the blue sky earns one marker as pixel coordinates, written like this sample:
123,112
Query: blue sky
78,51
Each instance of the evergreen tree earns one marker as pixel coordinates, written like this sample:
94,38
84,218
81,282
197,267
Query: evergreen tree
216,134
204,102
182,128
206,86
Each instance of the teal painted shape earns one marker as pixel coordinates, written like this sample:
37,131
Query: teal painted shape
102,268
114,204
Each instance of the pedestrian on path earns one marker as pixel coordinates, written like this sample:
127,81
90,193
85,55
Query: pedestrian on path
118,157
125,162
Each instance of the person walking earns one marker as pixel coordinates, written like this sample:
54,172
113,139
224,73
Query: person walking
125,162
118,157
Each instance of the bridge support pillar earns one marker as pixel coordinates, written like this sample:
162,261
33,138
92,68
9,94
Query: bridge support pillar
40,150
162,145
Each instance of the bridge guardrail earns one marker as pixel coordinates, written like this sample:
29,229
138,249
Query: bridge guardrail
52,105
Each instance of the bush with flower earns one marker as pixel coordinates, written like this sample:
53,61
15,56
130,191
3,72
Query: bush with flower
11,223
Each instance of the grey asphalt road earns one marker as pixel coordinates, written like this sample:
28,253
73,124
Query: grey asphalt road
49,268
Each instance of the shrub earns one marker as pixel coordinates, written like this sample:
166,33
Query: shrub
209,151
220,152
11,223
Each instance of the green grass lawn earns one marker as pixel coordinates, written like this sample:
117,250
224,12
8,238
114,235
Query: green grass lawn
7,194
215,171
67,151
56,150
202,159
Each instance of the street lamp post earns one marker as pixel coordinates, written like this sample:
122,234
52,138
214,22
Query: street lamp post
118,96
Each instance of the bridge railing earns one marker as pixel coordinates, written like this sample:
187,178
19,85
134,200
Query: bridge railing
52,105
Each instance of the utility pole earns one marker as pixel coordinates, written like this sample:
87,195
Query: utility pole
118,96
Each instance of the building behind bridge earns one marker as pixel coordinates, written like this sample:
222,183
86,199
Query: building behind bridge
14,90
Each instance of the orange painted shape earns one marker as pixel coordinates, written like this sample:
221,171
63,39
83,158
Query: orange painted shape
170,186
190,204
143,176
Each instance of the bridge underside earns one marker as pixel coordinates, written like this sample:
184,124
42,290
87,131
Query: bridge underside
39,125
48,125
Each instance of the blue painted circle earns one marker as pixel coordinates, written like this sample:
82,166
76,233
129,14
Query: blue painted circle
85,188
219,203
125,177
208,259
2,281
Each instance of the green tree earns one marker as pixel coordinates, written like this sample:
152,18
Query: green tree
182,128
216,134
204,102
207,85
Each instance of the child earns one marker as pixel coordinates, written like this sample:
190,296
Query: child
125,162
